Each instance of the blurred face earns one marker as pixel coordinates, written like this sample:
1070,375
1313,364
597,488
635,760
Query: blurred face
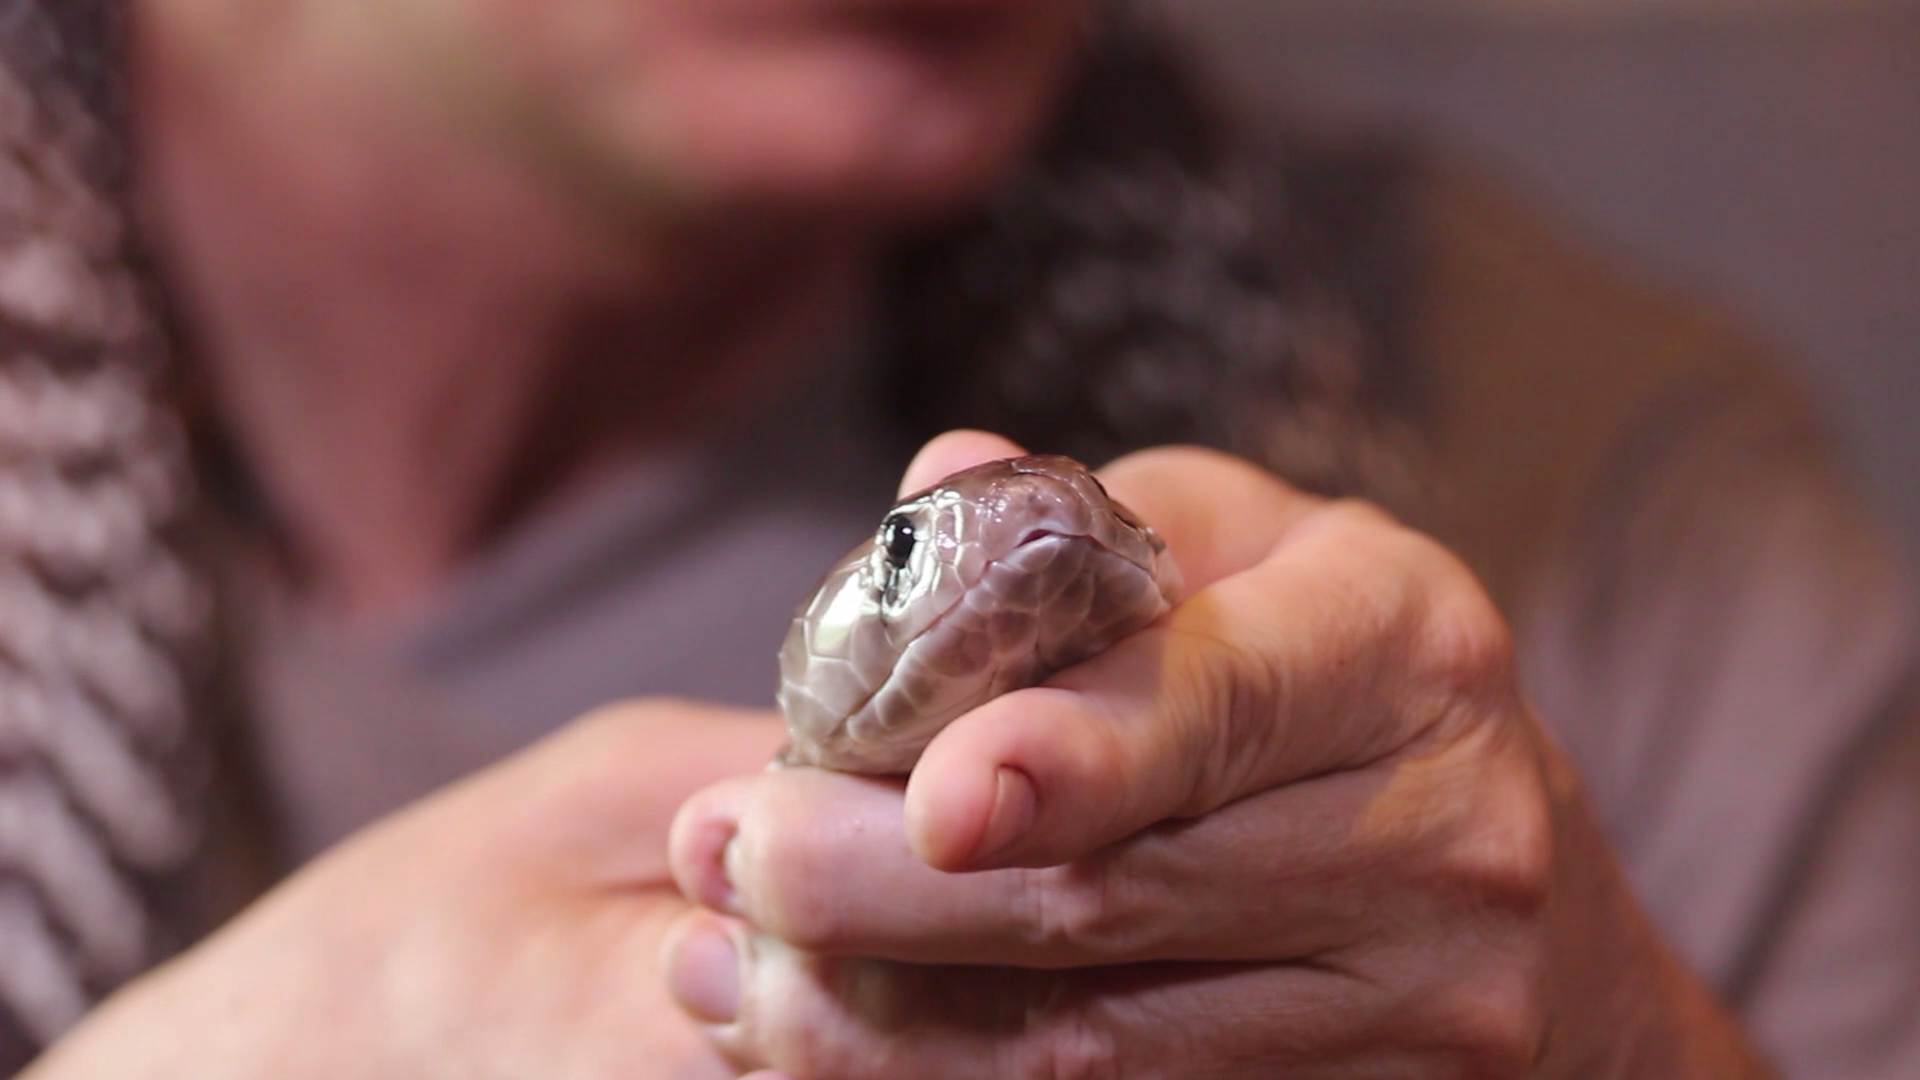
877,107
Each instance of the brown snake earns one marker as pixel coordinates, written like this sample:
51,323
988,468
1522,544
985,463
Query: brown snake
988,582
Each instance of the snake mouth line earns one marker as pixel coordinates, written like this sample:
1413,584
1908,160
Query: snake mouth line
1033,536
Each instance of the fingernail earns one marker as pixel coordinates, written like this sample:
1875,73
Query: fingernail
1015,806
703,974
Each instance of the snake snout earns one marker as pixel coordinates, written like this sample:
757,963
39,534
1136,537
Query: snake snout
1037,534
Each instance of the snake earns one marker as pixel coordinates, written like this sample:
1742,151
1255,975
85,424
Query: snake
991,581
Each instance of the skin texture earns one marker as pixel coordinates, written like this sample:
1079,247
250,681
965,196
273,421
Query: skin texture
1305,823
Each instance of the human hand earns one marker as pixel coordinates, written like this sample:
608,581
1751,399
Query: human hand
1306,825
509,928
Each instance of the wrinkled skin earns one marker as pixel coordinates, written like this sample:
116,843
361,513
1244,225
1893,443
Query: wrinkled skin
988,582
1303,825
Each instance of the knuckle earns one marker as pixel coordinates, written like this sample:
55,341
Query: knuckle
1464,641
1071,909
1503,851
1458,635
1353,529
782,867
1357,518
1467,646
1496,1027
1238,703
791,1026
1064,1043
806,1050
803,1049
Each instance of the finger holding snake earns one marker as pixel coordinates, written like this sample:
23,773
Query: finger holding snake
1302,824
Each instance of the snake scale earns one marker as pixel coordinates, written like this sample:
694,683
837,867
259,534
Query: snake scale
988,582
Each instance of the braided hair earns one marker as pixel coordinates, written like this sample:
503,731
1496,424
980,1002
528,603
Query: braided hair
99,614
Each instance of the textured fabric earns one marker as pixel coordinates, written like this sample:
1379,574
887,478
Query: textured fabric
98,749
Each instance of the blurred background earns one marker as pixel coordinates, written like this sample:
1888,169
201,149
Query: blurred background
1761,154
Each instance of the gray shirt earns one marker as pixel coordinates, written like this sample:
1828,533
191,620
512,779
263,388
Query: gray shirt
674,576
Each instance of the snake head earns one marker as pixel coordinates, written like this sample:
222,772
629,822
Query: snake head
988,582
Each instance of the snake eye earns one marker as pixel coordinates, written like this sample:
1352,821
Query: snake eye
897,541
898,537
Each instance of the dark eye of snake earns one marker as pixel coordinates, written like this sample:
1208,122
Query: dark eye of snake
897,534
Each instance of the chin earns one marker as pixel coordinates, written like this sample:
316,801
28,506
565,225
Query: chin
943,166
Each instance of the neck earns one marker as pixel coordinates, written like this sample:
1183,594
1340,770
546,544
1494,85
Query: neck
413,341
